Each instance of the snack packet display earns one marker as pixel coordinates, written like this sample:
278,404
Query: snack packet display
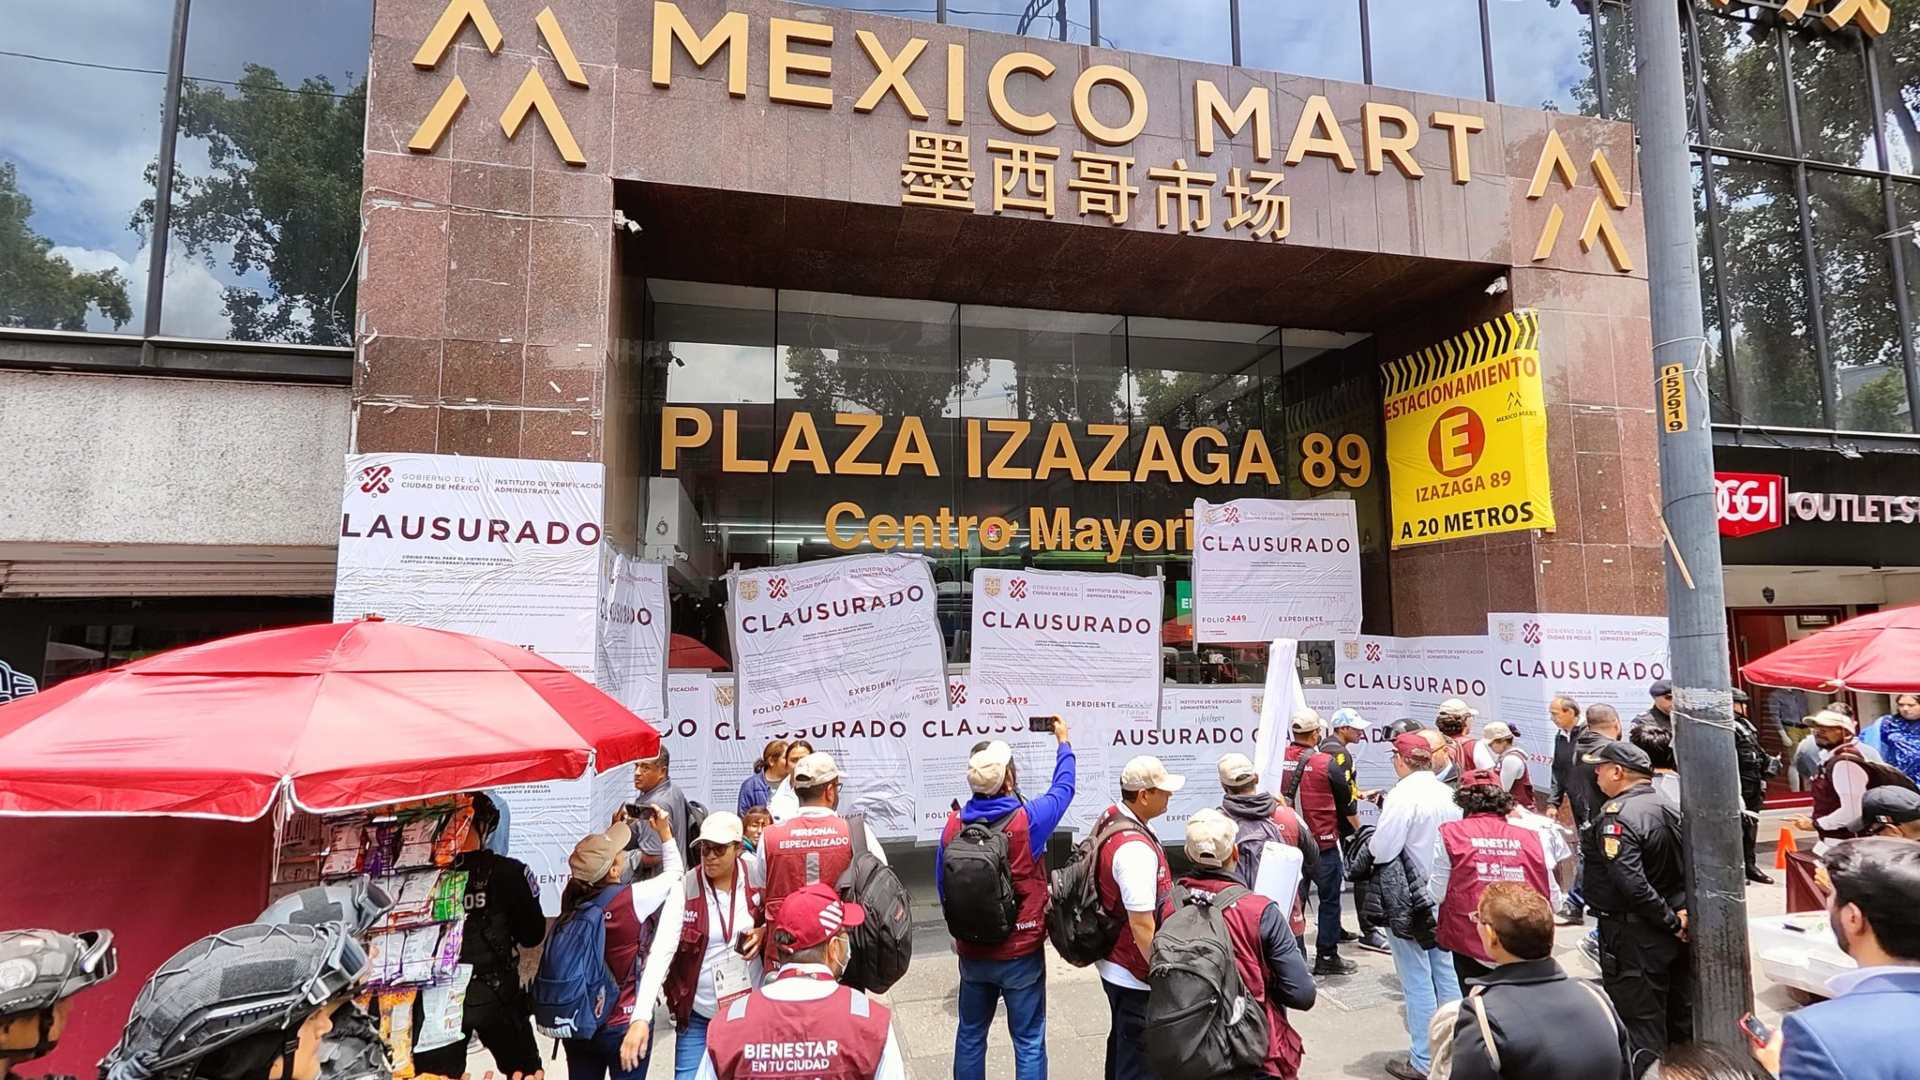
345,843
383,849
419,954
443,1008
449,896
396,1027
449,950
453,834
416,841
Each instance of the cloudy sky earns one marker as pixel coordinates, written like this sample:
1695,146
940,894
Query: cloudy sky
82,137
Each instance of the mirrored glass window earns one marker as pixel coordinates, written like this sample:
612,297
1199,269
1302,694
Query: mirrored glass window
266,201
1856,292
1906,222
1061,20
1765,283
1746,88
1543,56
1303,37
1191,30
892,364
899,9
80,93
1899,72
1616,52
1830,90
1720,378
1430,45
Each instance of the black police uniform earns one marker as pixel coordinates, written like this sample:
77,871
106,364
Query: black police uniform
1752,760
1583,792
503,917
1645,966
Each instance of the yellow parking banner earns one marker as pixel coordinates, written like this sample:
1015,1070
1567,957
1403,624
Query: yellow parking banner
1467,435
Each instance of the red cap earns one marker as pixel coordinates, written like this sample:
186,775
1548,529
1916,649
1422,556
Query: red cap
1412,745
1480,776
812,915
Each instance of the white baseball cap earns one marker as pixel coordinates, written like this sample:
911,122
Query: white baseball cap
1145,773
1495,731
987,770
1236,770
1210,838
1349,718
1454,706
721,828
815,769
1305,720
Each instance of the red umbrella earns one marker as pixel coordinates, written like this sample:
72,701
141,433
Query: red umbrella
1878,653
688,652
341,715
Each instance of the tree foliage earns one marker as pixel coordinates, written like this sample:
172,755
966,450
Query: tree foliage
879,381
40,289
283,192
1763,271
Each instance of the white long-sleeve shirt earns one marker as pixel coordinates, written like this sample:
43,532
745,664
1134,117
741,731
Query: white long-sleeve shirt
664,893
873,839
892,1066
1410,821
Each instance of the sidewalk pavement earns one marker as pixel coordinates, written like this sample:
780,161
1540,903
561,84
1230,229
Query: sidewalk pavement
1352,1032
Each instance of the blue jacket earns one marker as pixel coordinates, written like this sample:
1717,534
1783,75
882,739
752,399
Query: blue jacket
1855,1035
754,791
1043,813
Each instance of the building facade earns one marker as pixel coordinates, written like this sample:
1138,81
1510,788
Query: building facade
811,279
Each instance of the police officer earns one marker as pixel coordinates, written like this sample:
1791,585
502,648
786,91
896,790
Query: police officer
1755,766
40,971
1660,712
1645,961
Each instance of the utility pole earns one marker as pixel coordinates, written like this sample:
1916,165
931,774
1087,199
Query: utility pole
1696,599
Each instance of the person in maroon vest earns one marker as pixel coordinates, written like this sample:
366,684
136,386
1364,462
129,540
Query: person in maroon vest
1844,779
803,1025
720,932
1320,788
1481,848
1495,751
1264,949
1261,819
815,844
1136,889
637,953
1016,968
1452,720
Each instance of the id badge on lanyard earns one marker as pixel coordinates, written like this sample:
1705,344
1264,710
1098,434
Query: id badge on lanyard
730,978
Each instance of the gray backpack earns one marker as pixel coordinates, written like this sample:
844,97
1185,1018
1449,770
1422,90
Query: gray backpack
1204,1023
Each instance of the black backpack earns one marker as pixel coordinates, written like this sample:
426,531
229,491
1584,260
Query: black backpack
696,817
975,867
1204,1023
883,944
1079,926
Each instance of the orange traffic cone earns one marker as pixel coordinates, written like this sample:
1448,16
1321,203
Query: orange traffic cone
1787,846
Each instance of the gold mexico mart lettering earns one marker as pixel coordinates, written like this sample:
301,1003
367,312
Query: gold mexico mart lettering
995,449
1389,133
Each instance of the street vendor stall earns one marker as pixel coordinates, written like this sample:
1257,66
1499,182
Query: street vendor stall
161,799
